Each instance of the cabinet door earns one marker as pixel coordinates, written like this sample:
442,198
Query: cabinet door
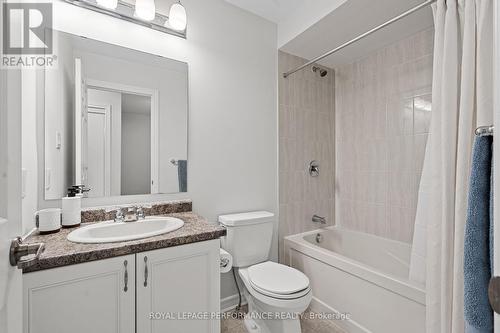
176,283
98,296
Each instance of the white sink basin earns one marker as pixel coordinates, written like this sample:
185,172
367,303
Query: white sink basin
110,231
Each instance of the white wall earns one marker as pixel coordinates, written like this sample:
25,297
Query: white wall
58,101
232,57
29,148
309,13
3,145
10,187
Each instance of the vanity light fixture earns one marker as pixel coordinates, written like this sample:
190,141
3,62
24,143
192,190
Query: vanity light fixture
142,12
177,18
145,9
109,4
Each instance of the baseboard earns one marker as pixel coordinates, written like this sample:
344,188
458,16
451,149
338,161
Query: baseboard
231,302
349,325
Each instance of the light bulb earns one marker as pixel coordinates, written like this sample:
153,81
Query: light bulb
145,9
177,18
109,4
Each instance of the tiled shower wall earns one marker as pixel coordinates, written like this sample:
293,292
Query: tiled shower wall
383,106
306,133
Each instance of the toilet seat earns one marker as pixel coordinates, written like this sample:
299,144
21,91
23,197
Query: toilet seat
277,303
279,296
278,281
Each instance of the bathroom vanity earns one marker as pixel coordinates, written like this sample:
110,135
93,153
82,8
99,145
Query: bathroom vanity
166,283
114,122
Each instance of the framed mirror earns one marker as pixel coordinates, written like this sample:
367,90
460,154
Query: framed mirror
115,120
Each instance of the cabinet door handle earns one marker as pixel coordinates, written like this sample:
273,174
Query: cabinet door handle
125,276
145,271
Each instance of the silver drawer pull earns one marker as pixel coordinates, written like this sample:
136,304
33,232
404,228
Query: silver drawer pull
125,277
145,271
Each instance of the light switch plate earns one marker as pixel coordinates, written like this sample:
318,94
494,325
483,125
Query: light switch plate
58,140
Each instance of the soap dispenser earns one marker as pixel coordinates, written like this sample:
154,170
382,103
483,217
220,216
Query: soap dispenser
72,207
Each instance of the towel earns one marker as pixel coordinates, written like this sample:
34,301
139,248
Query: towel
182,174
477,243
491,218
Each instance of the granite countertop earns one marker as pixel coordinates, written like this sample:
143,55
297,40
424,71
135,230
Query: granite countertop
61,252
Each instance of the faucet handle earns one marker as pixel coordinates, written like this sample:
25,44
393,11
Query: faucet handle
119,215
140,213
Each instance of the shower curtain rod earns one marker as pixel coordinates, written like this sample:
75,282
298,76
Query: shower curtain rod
383,25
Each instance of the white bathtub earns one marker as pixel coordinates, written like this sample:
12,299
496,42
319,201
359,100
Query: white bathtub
361,275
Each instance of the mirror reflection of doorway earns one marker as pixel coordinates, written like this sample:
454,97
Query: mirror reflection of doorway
101,140
118,142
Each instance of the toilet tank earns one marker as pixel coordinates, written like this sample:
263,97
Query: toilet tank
249,237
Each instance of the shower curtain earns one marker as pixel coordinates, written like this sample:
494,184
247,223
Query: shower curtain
462,100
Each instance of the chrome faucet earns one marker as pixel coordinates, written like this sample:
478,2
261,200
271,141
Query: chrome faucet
130,214
134,214
319,219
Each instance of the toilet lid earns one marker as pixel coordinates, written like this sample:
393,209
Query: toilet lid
277,279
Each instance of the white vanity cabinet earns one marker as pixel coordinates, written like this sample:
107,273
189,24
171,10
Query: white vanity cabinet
98,296
157,291
175,284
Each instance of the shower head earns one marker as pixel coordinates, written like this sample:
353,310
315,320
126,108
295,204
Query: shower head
322,72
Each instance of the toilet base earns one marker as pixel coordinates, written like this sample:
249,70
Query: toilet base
251,325
256,323
273,326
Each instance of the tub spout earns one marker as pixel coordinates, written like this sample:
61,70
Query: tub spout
319,219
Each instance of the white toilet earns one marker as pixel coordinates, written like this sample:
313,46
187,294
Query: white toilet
276,294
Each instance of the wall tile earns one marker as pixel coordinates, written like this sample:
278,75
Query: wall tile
401,223
420,144
401,152
422,44
399,116
367,124
287,154
422,71
288,121
307,132
402,189
382,111
422,113
371,154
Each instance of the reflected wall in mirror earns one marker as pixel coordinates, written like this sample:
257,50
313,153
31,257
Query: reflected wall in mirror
115,120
